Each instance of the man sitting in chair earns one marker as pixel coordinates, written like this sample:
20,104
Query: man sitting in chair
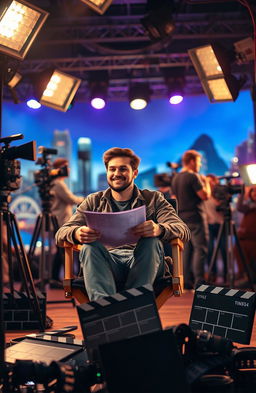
133,265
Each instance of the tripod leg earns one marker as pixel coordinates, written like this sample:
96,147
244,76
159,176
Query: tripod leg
229,249
216,249
243,259
42,271
35,236
2,334
22,256
9,250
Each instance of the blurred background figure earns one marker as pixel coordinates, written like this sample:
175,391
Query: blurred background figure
62,207
215,218
191,189
247,232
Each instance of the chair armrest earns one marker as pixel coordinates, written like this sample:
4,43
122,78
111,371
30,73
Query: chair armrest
69,262
177,279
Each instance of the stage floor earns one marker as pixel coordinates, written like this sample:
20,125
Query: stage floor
175,311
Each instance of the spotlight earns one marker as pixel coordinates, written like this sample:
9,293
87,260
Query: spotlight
33,103
139,95
248,173
176,91
99,6
20,22
158,22
213,66
98,86
14,80
175,81
56,89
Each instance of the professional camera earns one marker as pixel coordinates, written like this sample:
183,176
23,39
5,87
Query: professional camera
45,176
24,376
10,167
165,179
196,342
224,192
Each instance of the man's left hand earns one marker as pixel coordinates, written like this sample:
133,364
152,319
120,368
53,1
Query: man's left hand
147,229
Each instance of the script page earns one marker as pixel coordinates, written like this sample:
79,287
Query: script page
116,227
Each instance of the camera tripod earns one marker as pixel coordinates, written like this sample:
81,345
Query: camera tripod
9,226
228,230
46,227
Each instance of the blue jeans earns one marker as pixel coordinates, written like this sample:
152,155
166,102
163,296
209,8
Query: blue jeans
105,272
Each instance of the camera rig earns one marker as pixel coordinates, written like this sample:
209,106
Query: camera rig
10,167
46,175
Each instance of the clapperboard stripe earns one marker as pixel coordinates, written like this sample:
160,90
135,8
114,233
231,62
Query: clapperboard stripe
225,291
118,297
225,312
130,313
51,336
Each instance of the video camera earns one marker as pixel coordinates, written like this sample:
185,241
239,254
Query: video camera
165,179
224,192
45,176
10,167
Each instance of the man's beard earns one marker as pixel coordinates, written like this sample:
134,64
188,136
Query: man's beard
121,188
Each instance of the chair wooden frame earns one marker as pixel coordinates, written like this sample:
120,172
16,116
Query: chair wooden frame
175,287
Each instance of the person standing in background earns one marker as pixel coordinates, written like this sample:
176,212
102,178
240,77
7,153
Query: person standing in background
191,189
62,207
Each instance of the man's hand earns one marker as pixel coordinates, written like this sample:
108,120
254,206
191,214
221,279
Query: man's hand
85,234
147,229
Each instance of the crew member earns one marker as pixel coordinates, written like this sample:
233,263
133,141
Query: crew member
191,189
62,207
132,264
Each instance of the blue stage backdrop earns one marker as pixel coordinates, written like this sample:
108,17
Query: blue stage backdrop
159,133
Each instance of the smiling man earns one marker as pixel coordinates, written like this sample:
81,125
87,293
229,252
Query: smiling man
108,270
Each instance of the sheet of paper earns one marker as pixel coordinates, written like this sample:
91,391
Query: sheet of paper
115,227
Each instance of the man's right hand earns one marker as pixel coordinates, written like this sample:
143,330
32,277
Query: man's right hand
85,234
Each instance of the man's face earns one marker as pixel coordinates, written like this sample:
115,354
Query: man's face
196,164
120,174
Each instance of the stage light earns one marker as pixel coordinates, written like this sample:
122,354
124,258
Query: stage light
175,82
99,6
20,22
14,80
175,91
56,89
248,173
139,95
158,22
33,104
98,86
213,66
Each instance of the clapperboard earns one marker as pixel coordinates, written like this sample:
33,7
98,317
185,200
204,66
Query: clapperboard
48,347
225,312
123,315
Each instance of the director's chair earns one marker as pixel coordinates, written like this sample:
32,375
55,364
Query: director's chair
165,287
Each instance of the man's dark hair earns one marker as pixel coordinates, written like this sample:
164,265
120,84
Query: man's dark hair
59,162
120,152
190,155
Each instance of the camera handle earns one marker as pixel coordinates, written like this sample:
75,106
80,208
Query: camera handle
228,231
